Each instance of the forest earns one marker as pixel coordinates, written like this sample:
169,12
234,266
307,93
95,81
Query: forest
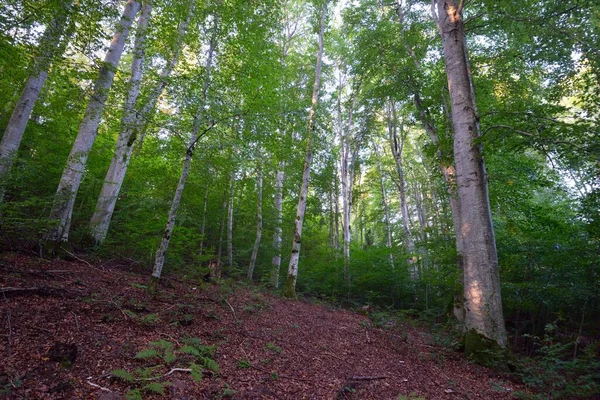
427,161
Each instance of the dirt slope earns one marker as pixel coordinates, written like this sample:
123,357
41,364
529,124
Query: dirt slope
66,325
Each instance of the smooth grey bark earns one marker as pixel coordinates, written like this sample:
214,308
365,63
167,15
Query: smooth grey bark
277,240
134,124
72,175
259,221
483,301
47,51
292,275
116,172
187,162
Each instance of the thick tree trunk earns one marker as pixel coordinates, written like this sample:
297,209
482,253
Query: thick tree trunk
47,51
72,176
292,276
277,240
484,320
116,172
259,221
187,162
132,125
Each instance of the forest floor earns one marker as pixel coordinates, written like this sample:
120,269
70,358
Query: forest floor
67,325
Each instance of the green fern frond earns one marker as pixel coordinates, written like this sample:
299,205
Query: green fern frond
155,387
122,374
147,353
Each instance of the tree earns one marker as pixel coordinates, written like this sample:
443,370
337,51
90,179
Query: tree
134,122
197,133
118,166
70,181
290,285
47,51
484,318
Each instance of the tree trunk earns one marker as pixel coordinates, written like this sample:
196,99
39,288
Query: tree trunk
203,226
290,285
397,146
484,319
118,166
259,221
187,162
72,176
132,125
276,264
386,209
47,51
230,221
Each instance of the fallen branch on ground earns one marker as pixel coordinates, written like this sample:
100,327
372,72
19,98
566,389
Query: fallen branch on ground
367,378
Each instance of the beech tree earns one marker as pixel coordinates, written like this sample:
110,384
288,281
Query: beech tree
483,302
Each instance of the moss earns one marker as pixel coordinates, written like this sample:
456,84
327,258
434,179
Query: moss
289,289
485,351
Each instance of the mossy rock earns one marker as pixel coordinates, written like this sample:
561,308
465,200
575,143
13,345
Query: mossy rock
485,351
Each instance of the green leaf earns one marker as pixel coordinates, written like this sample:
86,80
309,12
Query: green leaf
147,353
162,344
155,387
122,374
210,364
135,394
169,357
190,350
196,372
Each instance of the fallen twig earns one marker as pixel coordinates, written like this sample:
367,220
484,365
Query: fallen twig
80,259
99,387
232,310
368,378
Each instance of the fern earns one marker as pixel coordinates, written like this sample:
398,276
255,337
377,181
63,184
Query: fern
169,357
146,353
124,375
190,350
135,394
155,387
162,344
196,372
210,364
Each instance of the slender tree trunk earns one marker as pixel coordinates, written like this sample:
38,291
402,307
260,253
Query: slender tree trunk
386,209
290,286
336,194
47,51
483,303
203,226
259,221
187,162
397,146
230,221
276,264
72,176
132,124
222,227
118,166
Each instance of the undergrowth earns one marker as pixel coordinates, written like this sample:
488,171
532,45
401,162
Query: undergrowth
163,358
